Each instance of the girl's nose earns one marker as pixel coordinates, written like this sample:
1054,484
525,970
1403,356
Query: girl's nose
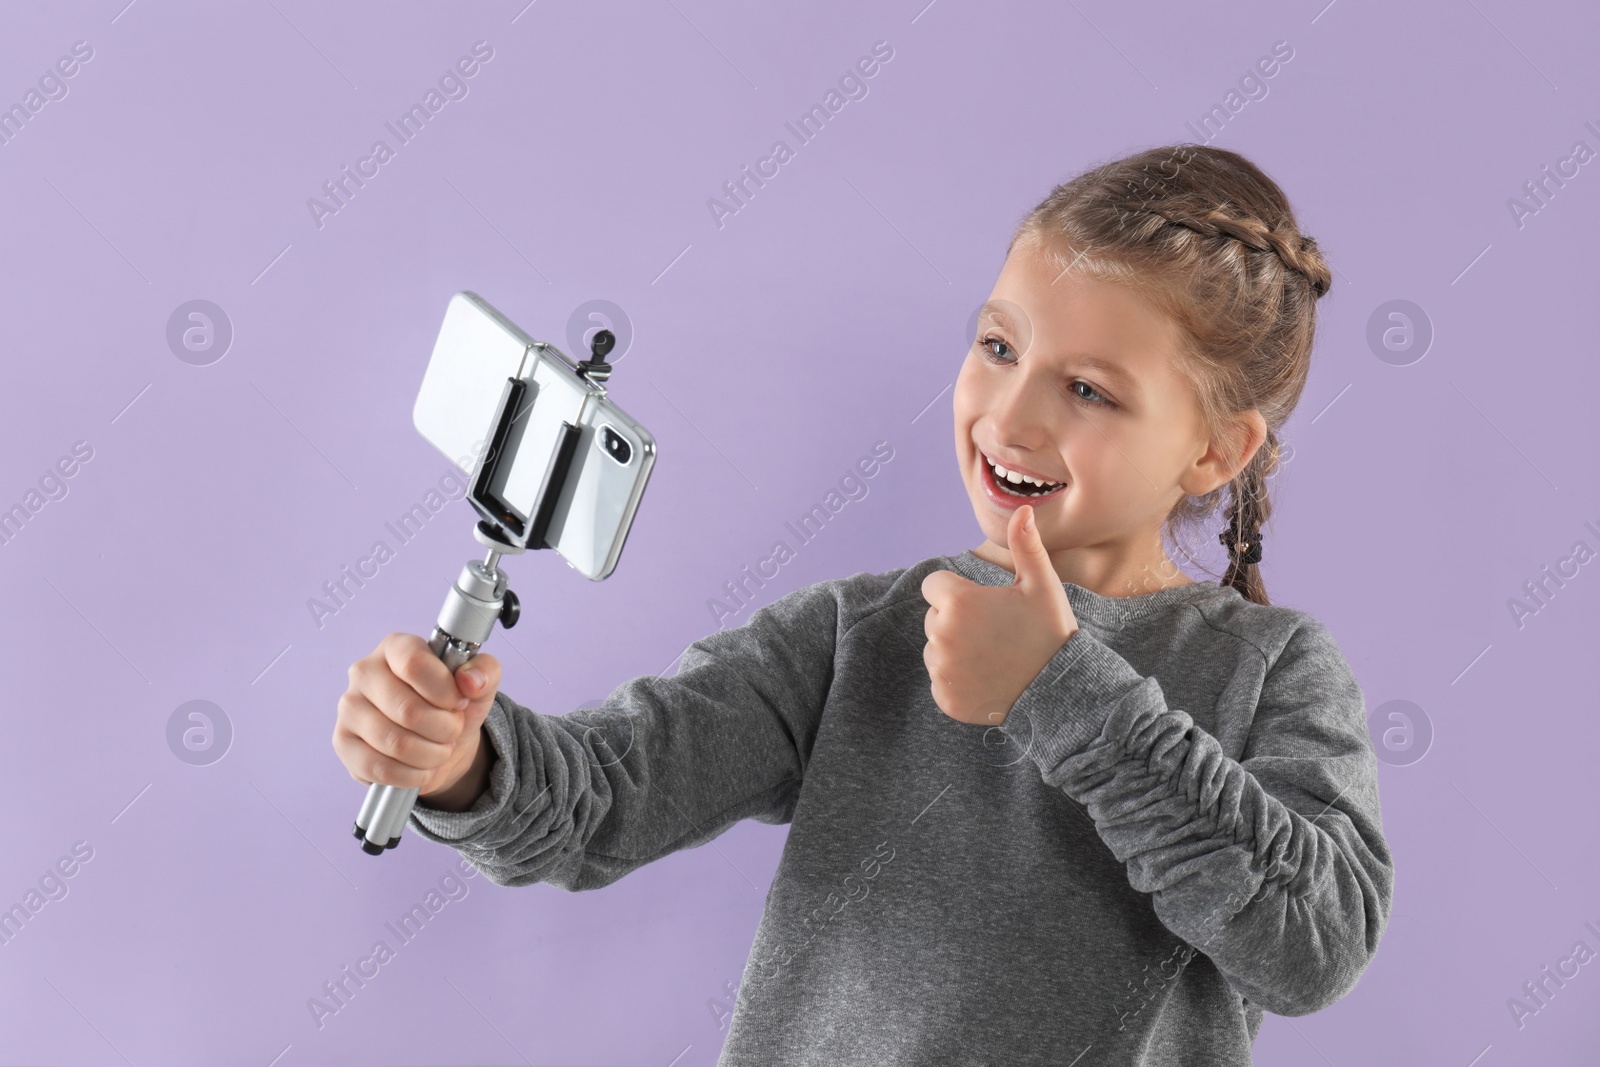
1021,408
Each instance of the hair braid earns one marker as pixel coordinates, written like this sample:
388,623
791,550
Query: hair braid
1248,510
1296,251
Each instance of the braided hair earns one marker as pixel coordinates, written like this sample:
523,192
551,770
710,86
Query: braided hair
1211,241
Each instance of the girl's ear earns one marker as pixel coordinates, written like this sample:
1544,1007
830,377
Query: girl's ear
1219,464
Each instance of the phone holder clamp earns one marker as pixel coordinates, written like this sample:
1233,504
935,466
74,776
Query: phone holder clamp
595,368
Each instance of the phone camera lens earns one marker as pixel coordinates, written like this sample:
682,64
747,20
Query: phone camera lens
616,445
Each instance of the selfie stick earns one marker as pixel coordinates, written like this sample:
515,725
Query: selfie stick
480,596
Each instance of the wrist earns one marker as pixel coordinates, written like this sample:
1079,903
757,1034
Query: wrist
472,784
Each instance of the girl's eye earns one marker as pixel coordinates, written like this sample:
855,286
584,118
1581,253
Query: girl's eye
1100,400
990,353
1095,397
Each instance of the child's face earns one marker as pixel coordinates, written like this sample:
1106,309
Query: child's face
1043,408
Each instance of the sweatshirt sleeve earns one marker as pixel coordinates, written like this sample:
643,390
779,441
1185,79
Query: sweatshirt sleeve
581,799
1275,866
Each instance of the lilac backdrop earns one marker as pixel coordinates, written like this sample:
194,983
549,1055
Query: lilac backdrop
1431,476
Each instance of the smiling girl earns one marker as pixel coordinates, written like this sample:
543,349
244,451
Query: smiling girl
1051,800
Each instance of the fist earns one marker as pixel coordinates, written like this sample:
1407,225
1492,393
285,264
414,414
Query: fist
407,721
986,644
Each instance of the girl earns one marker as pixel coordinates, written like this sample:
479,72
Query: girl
1051,800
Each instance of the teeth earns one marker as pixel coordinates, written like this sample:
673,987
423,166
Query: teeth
1017,479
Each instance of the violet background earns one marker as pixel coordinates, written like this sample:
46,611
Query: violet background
768,356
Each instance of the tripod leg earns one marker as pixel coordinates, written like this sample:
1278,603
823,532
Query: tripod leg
368,807
377,836
400,815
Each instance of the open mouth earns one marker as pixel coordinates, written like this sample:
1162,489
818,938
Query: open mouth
1019,485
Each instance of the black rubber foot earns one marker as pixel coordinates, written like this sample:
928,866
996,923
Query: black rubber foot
370,849
393,844
357,831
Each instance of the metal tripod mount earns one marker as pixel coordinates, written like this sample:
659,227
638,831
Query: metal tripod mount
481,596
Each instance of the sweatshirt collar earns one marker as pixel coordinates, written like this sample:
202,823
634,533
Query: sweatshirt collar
1112,611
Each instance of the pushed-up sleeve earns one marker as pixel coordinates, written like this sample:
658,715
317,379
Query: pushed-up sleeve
581,799
1273,865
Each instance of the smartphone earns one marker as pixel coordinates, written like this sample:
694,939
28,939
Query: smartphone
515,415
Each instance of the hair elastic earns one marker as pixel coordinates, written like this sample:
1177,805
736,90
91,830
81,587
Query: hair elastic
1245,551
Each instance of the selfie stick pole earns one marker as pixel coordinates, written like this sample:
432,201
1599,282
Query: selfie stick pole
475,603
480,597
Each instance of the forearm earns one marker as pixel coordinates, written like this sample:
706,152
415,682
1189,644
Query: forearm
1289,906
1275,867
579,800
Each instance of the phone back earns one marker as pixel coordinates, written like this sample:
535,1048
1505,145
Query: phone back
608,479
477,349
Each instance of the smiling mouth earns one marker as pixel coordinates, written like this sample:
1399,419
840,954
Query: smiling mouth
1018,485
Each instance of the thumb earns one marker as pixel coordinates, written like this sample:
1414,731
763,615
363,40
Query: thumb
1028,554
479,680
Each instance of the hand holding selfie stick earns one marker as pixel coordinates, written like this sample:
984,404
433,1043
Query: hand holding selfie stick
480,596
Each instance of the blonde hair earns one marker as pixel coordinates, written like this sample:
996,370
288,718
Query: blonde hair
1210,240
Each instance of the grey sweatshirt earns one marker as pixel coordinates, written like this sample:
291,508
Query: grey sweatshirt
1175,828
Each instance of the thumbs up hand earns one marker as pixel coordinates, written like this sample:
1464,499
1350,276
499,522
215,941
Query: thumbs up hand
986,644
